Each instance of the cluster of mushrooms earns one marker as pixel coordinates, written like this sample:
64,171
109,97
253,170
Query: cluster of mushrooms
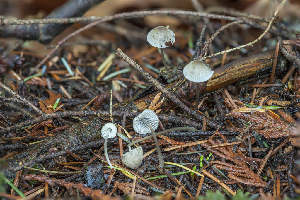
147,122
196,71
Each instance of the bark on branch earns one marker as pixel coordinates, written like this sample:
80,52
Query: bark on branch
45,33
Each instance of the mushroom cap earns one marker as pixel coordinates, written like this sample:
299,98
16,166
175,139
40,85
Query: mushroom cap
133,158
109,130
140,126
159,36
197,71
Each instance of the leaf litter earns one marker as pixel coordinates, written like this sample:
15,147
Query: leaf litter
257,157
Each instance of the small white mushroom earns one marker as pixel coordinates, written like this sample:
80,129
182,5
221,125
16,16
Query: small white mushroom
158,37
147,122
133,158
109,130
197,71
140,123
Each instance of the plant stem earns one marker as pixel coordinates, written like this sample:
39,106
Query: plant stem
162,53
106,154
160,158
197,95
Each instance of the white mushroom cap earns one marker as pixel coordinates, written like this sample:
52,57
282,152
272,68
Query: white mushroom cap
197,71
133,158
159,36
109,130
139,124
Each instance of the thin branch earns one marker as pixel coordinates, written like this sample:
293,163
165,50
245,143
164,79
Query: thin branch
20,98
219,10
160,87
256,40
205,48
136,14
124,16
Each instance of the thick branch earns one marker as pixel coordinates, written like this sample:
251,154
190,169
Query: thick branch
45,33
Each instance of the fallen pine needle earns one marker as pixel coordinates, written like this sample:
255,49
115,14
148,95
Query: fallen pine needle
149,152
218,181
225,144
200,186
184,145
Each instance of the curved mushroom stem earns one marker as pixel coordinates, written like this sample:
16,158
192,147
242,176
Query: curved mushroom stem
162,53
160,158
106,154
197,95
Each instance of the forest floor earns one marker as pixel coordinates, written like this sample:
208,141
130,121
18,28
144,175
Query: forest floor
239,140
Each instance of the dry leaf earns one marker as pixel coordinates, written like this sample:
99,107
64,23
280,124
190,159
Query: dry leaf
47,105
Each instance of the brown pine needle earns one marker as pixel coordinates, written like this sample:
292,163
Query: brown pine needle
218,181
184,145
149,153
200,186
226,144
278,185
274,63
89,103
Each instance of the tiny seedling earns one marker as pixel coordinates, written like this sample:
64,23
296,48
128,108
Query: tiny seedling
208,157
192,173
201,163
261,141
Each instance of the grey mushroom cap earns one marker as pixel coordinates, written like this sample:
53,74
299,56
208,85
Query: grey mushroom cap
109,130
133,158
159,36
139,124
197,71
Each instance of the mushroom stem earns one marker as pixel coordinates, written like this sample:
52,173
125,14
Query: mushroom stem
197,95
163,132
162,53
160,159
106,154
